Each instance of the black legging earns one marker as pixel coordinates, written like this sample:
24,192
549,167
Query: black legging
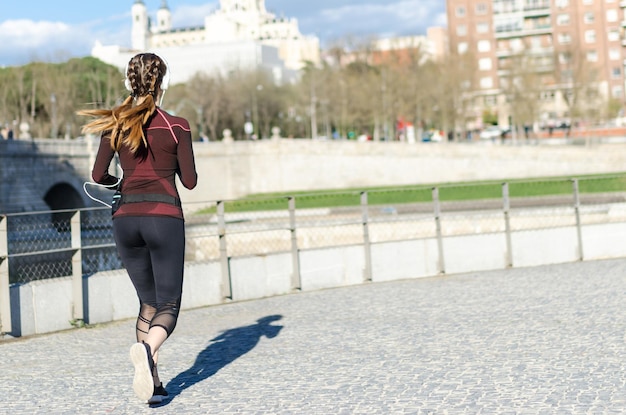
152,249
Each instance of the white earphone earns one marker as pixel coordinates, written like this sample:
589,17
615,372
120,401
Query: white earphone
165,82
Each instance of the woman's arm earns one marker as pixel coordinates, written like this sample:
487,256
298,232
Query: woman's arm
100,172
186,162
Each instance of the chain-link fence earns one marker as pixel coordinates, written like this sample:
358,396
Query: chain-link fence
587,215
44,245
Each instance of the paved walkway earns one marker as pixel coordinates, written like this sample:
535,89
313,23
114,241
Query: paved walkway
545,340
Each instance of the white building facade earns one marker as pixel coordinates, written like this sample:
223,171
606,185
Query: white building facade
241,34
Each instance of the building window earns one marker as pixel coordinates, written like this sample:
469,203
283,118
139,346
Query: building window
536,4
562,19
461,30
588,19
484,46
564,58
484,64
486,82
616,72
587,1
505,6
535,42
564,38
592,56
462,48
590,36
508,25
566,74
613,35
517,45
481,8
615,54
491,100
562,4
460,11
616,91
482,28
611,16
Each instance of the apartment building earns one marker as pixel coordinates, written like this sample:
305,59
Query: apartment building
564,38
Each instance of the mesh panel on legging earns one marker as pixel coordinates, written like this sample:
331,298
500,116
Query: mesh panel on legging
166,316
146,314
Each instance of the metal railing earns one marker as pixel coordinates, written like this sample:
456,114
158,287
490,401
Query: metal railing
76,243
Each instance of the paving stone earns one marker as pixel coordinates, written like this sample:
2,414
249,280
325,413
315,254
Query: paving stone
540,340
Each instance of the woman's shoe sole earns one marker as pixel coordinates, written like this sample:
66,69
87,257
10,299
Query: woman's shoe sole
142,382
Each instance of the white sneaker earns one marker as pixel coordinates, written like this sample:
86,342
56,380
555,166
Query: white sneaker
141,357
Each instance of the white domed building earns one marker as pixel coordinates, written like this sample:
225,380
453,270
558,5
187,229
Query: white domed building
241,34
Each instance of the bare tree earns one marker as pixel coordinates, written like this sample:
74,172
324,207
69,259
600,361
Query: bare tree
576,79
526,74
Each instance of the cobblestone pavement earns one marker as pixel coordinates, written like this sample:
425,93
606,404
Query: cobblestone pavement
544,340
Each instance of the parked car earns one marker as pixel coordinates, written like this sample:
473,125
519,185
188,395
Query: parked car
492,132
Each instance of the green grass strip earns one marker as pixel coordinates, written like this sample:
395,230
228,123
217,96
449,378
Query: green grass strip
392,195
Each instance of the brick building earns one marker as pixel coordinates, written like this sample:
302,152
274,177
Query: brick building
561,40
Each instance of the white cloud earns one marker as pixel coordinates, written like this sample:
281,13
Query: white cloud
29,34
24,40
394,18
190,16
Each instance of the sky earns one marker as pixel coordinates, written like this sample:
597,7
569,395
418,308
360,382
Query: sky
56,30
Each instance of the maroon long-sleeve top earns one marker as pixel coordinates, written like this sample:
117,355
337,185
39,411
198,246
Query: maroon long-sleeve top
152,170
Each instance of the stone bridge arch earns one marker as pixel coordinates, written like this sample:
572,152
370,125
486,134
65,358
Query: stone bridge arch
63,196
41,176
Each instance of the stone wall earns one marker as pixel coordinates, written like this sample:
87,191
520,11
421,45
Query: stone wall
233,170
46,306
30,170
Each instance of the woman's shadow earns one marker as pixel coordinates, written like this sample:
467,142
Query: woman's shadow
223,350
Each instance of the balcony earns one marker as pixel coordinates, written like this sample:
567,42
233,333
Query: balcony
500,8
502,73
505,53
537,11
534,51
541,30
545,68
